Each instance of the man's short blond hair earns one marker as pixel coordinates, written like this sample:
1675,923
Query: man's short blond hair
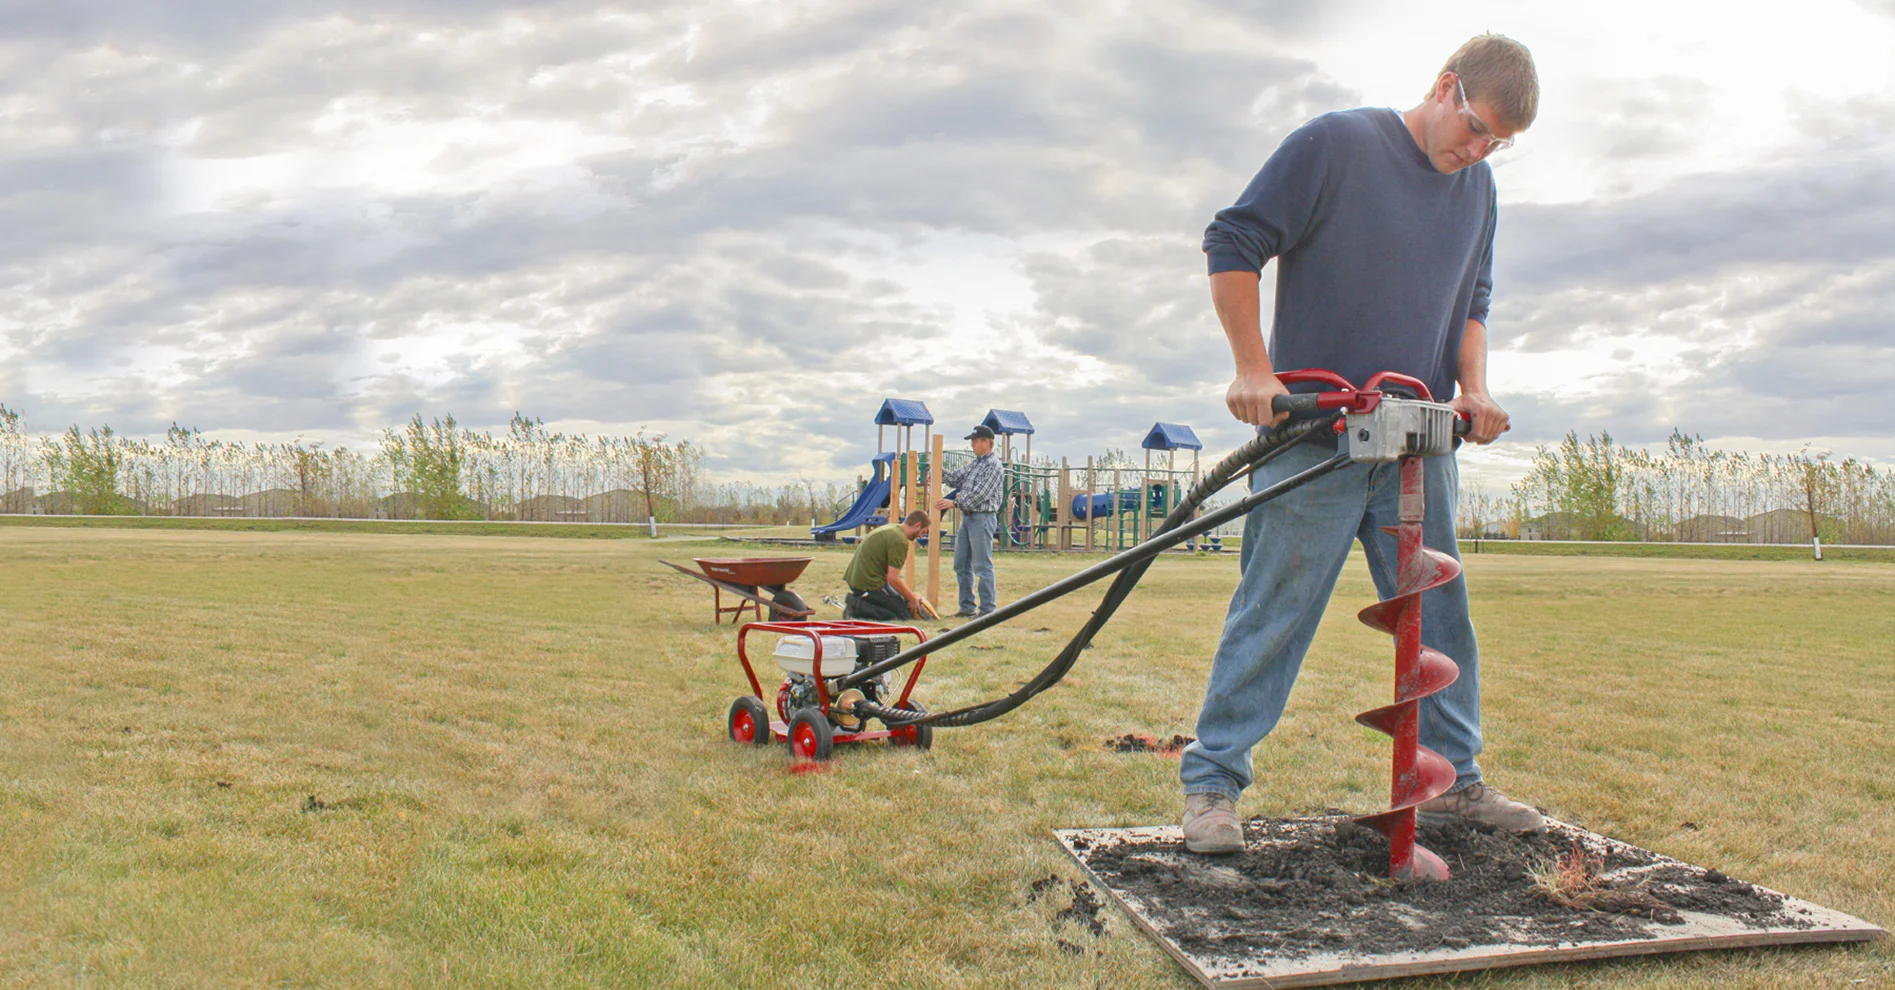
916,518
1498,70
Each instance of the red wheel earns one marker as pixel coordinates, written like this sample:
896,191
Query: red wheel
810,735
783,701
918,736
749,721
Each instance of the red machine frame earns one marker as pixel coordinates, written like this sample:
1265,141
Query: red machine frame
780,730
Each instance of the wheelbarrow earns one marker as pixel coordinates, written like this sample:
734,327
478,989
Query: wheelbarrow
747,578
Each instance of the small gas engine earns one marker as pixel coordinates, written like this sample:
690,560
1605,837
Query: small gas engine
813,712
841,655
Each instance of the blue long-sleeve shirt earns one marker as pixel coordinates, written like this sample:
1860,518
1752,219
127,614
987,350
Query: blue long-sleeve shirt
981,483
1381,259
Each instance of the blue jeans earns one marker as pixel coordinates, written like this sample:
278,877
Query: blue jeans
974,557
1293,550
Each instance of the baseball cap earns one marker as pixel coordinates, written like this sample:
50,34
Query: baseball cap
982,432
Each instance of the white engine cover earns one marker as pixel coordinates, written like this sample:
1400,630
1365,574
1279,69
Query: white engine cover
796,654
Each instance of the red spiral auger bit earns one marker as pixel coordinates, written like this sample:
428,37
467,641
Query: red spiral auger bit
1420,774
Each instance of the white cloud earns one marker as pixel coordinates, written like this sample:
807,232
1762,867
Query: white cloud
747,224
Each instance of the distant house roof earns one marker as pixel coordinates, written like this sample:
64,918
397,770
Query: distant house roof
1171,436
903,412
1006,421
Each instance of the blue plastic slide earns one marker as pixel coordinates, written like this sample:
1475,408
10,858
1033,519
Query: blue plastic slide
867,504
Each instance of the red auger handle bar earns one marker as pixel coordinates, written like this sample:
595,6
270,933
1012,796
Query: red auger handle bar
1346,396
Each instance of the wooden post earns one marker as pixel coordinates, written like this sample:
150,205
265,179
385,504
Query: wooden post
935,456
1144,503
1118,511
909,486
1194,482
1092,517
1063,508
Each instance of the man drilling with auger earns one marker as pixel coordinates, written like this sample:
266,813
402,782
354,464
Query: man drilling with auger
1382,224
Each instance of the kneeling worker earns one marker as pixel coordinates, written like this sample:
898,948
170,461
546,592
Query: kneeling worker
876,590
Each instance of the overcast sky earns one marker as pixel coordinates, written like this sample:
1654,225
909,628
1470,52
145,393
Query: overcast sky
747,223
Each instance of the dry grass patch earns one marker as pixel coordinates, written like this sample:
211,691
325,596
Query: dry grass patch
237,759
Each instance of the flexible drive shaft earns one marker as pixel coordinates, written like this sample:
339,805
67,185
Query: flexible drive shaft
1130,565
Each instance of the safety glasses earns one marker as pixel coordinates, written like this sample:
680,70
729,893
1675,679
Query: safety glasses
1478,126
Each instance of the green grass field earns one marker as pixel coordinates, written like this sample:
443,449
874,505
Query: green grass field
341,760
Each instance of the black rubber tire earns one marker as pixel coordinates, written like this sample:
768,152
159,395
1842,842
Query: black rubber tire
749,717
782,598
811,738
924,734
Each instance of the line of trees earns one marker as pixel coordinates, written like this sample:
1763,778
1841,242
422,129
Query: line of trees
1599,489
1583,489
428,469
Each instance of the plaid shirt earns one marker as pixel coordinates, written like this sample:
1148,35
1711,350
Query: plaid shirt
980,484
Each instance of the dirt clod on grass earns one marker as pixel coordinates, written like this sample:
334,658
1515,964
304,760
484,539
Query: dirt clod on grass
1319,884
1084,909
312,804
1133,742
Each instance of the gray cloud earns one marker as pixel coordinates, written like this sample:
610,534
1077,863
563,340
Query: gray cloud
1142,305
718,241
1838,213
1649,118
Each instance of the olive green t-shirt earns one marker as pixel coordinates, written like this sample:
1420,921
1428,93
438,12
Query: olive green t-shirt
885,548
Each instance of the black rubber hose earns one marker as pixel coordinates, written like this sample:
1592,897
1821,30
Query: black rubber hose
1130,565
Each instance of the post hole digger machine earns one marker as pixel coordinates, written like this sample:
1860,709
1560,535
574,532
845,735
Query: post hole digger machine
837,674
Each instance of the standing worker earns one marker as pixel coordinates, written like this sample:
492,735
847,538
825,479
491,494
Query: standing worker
1382,224
981,483
876,589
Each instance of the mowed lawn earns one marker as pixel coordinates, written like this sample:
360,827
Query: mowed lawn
285,759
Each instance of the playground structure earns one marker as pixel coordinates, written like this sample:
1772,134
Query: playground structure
1063,507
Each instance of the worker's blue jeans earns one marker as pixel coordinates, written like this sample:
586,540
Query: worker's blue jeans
1293,550
974,558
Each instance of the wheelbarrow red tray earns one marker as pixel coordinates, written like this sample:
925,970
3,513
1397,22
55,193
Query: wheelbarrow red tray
743,577
757,572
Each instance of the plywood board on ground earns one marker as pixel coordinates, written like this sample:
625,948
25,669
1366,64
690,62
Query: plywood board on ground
1237,922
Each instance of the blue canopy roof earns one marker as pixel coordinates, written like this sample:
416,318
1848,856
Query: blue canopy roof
1171,436
1006,421
903,412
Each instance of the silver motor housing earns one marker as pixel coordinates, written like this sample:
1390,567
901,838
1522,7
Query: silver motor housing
1398,427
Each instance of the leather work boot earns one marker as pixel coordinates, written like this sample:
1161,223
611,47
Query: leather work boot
1479,803
1210,824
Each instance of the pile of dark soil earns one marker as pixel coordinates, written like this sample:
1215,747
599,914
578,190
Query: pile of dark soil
1319,884
1141,743
1083,912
